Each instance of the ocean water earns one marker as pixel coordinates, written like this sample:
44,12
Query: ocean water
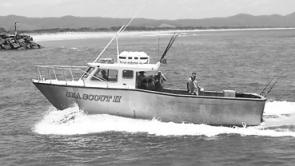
32,132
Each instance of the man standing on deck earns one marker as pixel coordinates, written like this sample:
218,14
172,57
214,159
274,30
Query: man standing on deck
159,80
192,84
139,79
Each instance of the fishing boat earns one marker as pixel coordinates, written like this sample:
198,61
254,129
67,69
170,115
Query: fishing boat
117,87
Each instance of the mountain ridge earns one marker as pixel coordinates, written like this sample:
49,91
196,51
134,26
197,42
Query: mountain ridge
242,20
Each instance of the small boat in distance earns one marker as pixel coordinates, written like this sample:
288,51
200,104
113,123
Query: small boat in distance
106,86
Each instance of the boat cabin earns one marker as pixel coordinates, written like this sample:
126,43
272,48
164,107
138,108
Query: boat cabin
127,72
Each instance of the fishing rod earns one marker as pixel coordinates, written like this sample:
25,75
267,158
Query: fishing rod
271,84
171,41
266,86
269,90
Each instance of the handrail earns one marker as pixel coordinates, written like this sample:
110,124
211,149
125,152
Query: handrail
61,66
63,73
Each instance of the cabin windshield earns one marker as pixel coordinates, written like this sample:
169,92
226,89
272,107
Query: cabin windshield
87,72
105,75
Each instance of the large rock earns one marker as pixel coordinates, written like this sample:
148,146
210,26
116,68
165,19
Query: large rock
6,47
15,45
2,41
19,42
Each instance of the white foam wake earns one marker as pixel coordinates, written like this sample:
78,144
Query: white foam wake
279,114
279,108
73,121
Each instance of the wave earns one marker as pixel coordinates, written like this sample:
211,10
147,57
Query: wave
279,122
97,35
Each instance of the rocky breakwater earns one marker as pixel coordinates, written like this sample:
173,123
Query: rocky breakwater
17,42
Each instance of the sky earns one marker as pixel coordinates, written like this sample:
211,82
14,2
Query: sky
156,9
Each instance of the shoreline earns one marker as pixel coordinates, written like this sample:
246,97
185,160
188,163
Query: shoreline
76,35
156,30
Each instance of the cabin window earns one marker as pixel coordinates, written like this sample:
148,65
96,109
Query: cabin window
105,75
128,74
113,75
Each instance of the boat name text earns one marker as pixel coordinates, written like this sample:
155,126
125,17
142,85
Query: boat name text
101,98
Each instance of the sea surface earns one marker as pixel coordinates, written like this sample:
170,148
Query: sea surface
33,132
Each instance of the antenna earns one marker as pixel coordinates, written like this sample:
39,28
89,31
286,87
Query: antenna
122,29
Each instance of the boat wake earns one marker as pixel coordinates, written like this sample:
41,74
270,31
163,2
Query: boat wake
279,121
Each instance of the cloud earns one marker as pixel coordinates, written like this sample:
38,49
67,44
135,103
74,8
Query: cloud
6,4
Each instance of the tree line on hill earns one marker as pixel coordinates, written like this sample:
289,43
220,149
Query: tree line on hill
116,28
73,23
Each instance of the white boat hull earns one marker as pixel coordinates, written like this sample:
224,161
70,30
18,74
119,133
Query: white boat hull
145,104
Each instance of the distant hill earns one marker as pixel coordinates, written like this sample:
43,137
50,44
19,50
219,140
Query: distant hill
101,23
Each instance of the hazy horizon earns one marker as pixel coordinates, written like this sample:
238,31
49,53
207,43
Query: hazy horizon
141,17
152,9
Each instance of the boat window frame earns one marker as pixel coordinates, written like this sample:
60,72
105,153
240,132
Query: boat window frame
108,79
87,73
127,77
108,74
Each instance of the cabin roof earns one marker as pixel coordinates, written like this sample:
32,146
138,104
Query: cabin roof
135,67
132,54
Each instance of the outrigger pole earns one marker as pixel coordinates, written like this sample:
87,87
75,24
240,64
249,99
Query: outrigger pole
114,37
122,29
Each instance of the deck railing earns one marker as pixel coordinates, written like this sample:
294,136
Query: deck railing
61,73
